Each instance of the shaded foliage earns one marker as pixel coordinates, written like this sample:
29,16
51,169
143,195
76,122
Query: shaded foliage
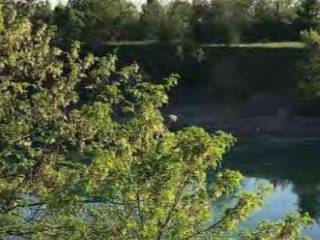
223,21
98,22
309,87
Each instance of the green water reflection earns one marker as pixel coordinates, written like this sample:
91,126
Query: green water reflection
293,168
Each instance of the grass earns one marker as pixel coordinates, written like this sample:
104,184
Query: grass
297,45
131,43
260,45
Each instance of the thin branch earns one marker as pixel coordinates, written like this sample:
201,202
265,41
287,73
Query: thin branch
139,209
204,230
173,207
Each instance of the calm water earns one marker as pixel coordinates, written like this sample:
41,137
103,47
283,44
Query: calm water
292,167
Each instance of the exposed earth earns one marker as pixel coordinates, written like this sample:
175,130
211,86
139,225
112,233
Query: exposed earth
261,115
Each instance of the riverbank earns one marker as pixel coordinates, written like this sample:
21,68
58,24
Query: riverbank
280,125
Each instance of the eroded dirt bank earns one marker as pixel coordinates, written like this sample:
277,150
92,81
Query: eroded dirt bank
244,120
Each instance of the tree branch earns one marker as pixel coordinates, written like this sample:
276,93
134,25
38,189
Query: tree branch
139,209
173,207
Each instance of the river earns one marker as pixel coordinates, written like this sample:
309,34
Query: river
291,166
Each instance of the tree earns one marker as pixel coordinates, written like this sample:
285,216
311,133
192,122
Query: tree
151,18
309,88
96,22
273,20
70,24
85,153
107,20
309,13
221,20
200,19
38,11
177,21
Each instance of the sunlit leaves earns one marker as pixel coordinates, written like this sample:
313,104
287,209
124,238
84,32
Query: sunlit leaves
85,152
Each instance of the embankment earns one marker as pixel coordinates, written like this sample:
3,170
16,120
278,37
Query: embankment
241,90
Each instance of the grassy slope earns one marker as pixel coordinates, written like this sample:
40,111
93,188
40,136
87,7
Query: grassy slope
238,45
260,45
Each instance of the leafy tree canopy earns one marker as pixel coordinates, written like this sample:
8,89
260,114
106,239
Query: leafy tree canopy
85,153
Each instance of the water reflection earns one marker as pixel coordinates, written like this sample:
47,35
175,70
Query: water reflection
292,167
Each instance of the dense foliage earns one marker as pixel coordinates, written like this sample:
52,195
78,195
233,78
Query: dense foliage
96,22
85,152
309,87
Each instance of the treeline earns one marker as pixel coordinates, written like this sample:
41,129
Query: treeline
96,22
